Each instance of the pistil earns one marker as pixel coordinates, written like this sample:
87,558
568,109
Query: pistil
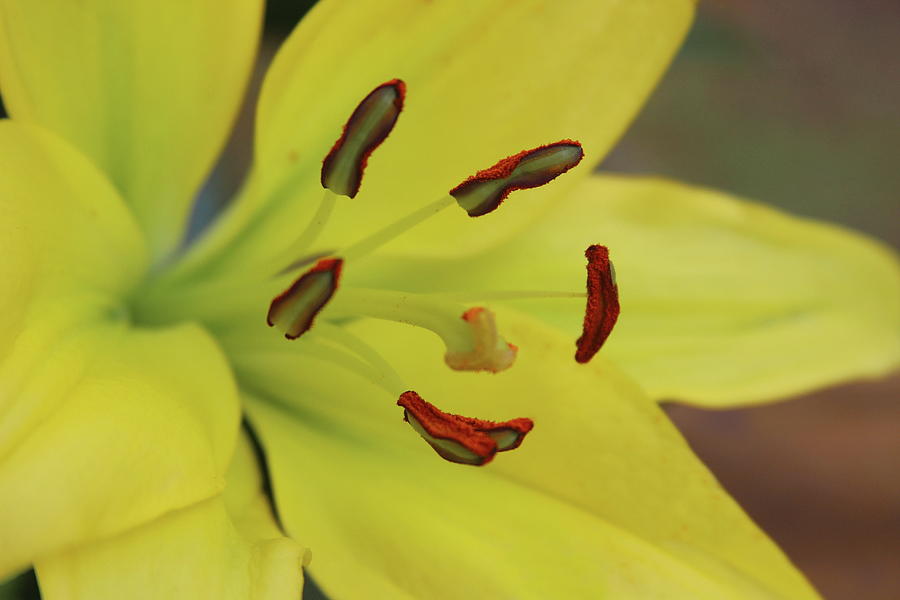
470,336
489,351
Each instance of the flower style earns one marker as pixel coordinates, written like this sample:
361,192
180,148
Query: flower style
159,440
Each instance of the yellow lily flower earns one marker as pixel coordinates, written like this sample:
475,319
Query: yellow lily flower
128,366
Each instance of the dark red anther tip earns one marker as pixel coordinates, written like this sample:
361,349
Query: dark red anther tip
295,309
602,309
479,194
462,439
364,141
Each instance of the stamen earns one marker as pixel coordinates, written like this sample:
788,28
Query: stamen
367,128
472,342
294,310
483,192
602,303
307,259
508,435
389,378
486,190
490,352
309,235
383,236
461,439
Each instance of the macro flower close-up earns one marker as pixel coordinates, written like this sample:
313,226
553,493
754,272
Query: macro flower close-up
400,361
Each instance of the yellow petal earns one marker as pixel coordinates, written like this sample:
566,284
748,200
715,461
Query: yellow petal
246,493
65,236
147,90
102,426
114,427
736,302
226,547
485,79
723,301
602,500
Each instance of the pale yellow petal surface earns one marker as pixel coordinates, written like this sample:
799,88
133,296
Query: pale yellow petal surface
603,499
225,548
102,426
70,248
67,241
114,428
486,79
147,89
723,301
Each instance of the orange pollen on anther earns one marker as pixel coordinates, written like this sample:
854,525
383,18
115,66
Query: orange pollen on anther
365,130
294,310
602,309
462,439
516,428
486,190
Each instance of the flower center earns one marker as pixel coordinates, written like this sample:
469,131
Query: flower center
309,301
471,336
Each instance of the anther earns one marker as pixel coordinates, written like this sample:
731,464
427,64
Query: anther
483,192
461,439
367,128
602,309
486,190
294,310
489,351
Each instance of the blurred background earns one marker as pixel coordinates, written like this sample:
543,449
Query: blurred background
794,104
